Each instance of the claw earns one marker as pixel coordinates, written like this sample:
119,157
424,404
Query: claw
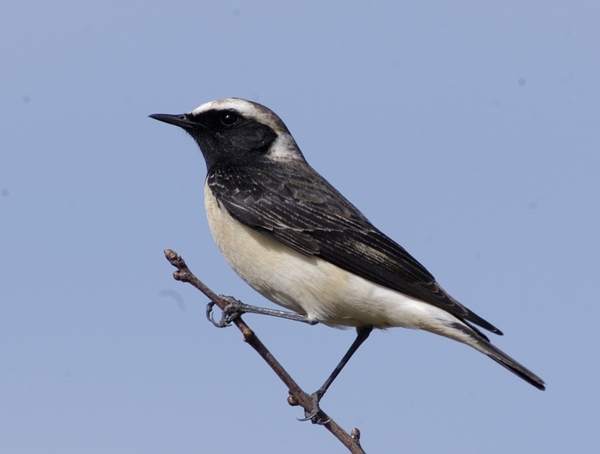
313,415
221,323
229,313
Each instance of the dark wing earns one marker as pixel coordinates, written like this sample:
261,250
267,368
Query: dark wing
296,206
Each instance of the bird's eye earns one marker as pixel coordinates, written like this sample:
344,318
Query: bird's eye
230,118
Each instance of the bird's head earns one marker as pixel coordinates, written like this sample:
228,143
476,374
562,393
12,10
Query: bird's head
236,132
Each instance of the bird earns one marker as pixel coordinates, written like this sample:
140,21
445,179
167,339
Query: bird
296,240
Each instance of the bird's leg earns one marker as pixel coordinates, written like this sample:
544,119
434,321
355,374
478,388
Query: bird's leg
236,308
362,333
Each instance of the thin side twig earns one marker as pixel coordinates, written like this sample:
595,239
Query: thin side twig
297,395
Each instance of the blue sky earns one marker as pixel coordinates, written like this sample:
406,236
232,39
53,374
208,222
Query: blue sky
468,132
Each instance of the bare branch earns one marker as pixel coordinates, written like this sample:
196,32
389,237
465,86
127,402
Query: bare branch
297,395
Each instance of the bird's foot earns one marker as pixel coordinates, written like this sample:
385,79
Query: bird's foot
314,416
229,313
235,308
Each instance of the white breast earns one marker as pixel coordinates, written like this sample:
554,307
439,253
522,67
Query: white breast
311,286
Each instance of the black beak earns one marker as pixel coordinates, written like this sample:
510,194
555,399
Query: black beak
178,120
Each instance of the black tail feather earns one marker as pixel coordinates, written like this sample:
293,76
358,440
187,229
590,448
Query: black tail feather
482,343
503,359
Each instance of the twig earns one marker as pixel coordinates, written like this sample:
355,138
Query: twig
297,395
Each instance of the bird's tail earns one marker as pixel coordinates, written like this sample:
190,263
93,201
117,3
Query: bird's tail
481,343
